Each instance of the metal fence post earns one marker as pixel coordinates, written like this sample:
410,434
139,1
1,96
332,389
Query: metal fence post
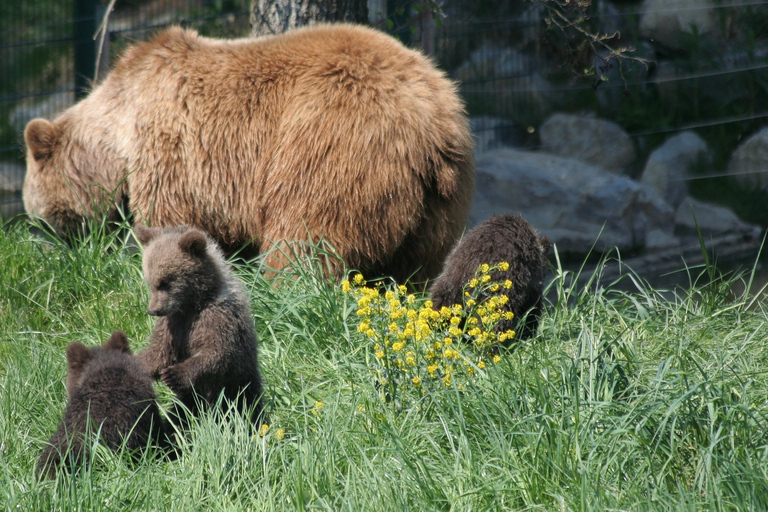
85,46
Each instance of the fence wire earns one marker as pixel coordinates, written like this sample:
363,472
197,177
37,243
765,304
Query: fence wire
512,71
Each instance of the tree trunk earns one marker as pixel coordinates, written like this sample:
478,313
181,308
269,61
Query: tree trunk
277,16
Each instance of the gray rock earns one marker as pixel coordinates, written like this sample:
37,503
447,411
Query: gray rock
669,165
658,240
509,77
492,133
712,220
749,163
593,141
574,204
666,21
11,178
49,108
11,181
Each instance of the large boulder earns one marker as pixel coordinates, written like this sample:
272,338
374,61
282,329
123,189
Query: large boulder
507,75
11,181
668,21
593,141
493,133
711,220
749,163
669,165
575,204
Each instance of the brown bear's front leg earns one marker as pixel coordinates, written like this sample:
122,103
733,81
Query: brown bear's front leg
158,355
188,374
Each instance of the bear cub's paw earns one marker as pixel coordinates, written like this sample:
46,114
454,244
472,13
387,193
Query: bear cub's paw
174,378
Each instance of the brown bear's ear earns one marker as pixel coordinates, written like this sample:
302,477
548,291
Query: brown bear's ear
144,234
545,245
41,137
118,341
193,242
77,356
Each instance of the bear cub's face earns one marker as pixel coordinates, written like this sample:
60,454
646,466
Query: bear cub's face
79,356
177,269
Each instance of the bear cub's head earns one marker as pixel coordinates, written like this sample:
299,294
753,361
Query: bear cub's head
181,267
79,356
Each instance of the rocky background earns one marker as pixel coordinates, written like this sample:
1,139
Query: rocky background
638,153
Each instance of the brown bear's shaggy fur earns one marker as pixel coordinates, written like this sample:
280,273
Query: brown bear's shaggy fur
109,393
330,131
204,341
501,238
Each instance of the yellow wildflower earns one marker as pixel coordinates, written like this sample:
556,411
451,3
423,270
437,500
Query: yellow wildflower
263,430
484,268
345,286
416,381
474,282
398,346
481,364
280,434
358,279
380,354
496,358
503,266
486,278
507,284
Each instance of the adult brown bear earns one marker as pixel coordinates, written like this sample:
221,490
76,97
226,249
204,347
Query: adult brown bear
332,131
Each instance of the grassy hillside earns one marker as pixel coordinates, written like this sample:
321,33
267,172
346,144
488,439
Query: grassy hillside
623,401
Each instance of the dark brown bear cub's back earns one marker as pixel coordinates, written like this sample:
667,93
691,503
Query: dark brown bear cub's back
508,238
204,341
110,393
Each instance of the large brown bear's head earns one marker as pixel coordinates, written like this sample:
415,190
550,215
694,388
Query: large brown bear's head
69,177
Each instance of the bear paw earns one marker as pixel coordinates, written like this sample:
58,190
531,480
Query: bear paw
174,378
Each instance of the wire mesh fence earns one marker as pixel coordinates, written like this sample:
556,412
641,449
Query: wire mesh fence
514,70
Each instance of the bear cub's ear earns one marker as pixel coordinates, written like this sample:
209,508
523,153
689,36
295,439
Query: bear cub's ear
77,357
145,234
118,341
41,136
193,242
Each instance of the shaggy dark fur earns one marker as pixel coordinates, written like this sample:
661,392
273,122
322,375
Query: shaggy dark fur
110,393
501,238
204,341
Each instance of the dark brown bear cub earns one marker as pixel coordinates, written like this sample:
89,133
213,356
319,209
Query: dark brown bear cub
501,238
204,341
109,393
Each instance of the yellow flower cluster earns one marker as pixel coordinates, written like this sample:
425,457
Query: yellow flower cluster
420,349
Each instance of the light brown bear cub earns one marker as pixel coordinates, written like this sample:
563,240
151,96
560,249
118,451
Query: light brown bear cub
110,393
507,238
204,341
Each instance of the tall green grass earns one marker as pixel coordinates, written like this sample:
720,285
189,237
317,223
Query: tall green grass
623,401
